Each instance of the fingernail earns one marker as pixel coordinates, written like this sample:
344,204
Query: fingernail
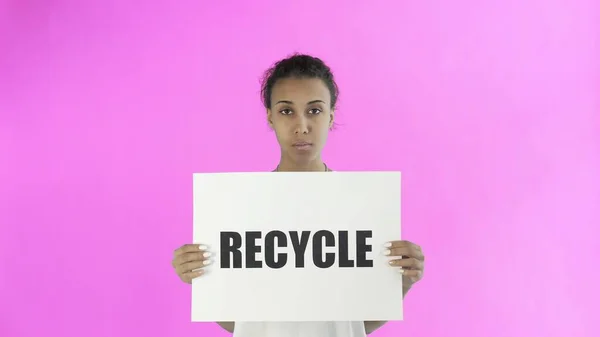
387,244
203,247
207,262
207,254
386,252
391,262
401,271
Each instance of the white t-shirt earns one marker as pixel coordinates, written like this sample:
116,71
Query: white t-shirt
299,329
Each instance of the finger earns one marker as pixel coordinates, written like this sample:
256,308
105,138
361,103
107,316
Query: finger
410,263
188,277
192,266
190,248
402,243
191,257
409,252
412,275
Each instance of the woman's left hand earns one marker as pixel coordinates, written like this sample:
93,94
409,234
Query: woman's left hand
408,258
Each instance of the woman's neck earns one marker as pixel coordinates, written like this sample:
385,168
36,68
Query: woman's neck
316,165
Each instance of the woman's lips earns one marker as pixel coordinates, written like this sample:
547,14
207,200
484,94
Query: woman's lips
302,145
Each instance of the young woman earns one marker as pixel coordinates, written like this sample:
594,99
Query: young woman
300,95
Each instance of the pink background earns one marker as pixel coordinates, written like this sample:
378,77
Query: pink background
489,108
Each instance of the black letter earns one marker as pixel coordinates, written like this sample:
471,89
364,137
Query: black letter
299,245
343,249
362,248
252,249
318,249
270,249
227,247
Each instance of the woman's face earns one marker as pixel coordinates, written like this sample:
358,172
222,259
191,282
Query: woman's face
301,116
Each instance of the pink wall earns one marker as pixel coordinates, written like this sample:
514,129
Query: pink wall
490,109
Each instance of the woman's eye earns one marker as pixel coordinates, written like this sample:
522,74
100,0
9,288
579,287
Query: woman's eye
286,111
315,111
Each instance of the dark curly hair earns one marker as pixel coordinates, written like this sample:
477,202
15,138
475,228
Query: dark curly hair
299,66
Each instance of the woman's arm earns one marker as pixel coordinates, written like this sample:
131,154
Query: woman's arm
229,326
371,326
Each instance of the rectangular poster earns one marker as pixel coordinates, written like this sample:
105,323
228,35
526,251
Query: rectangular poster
297,246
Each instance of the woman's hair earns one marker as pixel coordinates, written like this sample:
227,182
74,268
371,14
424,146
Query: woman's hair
298,66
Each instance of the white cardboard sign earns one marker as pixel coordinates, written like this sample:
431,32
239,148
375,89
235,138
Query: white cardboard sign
290,246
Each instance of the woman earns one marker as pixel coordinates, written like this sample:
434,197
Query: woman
300,96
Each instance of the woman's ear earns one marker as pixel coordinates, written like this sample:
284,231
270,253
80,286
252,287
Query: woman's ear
269,118
331,119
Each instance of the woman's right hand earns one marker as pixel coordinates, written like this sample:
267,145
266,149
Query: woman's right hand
189,261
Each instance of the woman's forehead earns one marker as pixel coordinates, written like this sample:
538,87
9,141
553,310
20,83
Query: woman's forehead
300,89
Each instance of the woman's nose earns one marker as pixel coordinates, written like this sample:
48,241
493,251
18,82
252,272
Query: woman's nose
302,126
